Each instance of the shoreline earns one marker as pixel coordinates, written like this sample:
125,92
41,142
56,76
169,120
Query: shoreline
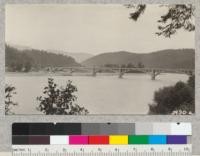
62,74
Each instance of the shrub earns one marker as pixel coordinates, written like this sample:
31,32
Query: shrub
60,101
177,99
9,92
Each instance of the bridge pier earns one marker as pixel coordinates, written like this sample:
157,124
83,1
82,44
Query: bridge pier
71,71
154,73
94,72
121,73
191,73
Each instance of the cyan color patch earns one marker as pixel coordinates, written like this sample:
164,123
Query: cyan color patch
157,139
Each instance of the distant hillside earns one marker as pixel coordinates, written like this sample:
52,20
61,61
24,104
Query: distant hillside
79,57
20,60
19,47
177,58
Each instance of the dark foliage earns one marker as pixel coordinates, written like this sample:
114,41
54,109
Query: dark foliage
60,101
175,99
178,16
129,65
9,92
191,81
42,59
139,10
17,61
32,59
140,65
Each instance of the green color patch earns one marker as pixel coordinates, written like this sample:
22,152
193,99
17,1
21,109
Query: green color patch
138,139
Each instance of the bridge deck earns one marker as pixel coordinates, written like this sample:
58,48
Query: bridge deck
181,70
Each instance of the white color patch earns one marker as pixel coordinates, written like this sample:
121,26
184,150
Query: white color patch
181,129
59,140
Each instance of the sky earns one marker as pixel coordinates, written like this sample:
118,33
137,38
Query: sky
89,28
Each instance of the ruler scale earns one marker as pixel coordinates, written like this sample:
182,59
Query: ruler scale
117,150
101,139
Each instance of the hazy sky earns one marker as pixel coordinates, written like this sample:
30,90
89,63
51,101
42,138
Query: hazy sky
89,28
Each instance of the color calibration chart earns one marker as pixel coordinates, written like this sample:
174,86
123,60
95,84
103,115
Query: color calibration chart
101,139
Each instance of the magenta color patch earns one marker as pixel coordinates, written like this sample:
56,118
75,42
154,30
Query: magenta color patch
78,139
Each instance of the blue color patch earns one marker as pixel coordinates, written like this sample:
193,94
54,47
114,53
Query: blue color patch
157,139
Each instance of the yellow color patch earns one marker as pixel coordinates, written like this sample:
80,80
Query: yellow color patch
118,139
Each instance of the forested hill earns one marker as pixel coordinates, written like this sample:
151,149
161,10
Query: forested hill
170,58
25,60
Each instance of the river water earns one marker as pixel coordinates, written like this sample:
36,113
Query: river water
100,94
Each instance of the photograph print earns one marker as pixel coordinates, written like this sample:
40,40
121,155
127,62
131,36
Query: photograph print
99,59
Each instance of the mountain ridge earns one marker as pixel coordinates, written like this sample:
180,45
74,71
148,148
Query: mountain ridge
79,56
160,59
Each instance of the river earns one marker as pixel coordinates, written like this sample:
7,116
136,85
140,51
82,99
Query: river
100,94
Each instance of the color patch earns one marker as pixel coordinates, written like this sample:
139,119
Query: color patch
181,129
157,139
39,140
20,129
90,129
108,128
67,129
126,129
20,140
118,139
143,129
102,140
59,140
161,129
176,139
138,139
78,139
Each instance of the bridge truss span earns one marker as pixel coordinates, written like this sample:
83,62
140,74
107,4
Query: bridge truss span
121,71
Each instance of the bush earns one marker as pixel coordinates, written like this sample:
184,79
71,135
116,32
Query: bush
60,101
9,92
177,99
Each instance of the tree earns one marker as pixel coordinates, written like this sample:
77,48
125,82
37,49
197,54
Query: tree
178,16
191,81
19,67
187,107
27,67
16,60
175,99
140,65
60,101
9,92
130,65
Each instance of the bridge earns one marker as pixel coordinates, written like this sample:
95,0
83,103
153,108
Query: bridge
153,72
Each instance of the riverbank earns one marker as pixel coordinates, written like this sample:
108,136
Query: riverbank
42,73
39,73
